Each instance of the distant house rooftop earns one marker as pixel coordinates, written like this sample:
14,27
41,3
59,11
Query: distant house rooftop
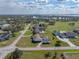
65,35
36,38
37,28
4,36
45,40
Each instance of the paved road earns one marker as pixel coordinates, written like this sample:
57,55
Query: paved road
49,48
8,49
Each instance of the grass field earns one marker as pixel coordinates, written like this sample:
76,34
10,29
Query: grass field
26,42
41,54
75,41
72,55
8,42
29,32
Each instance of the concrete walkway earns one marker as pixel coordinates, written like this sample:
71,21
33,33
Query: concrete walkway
49,48
67,41
39,45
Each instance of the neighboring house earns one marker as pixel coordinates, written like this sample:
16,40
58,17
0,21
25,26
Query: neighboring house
38,29
4,36
65,35
37,38
45,40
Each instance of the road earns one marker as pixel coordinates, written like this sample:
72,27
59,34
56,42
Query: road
49,48
8,49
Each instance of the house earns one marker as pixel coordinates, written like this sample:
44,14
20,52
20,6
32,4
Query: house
36,38
65,34
45,40
76,31
70,34
37,29
4,36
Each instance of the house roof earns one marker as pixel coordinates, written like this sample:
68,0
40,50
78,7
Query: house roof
45,39
36,38
66,34
4,36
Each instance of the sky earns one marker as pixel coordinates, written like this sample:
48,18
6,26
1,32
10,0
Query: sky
39,6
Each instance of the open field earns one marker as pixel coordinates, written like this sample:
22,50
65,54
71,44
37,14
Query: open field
26,42
75,41
41,54
8,42
72,55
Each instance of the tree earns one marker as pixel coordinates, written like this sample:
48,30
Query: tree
55,55
48,54
58,43
16,54
62,55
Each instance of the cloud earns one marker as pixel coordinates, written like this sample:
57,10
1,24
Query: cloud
43,7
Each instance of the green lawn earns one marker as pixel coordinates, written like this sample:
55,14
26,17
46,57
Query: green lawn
75,41
26,42
62,26
41,54
8,42
29,32
72,55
